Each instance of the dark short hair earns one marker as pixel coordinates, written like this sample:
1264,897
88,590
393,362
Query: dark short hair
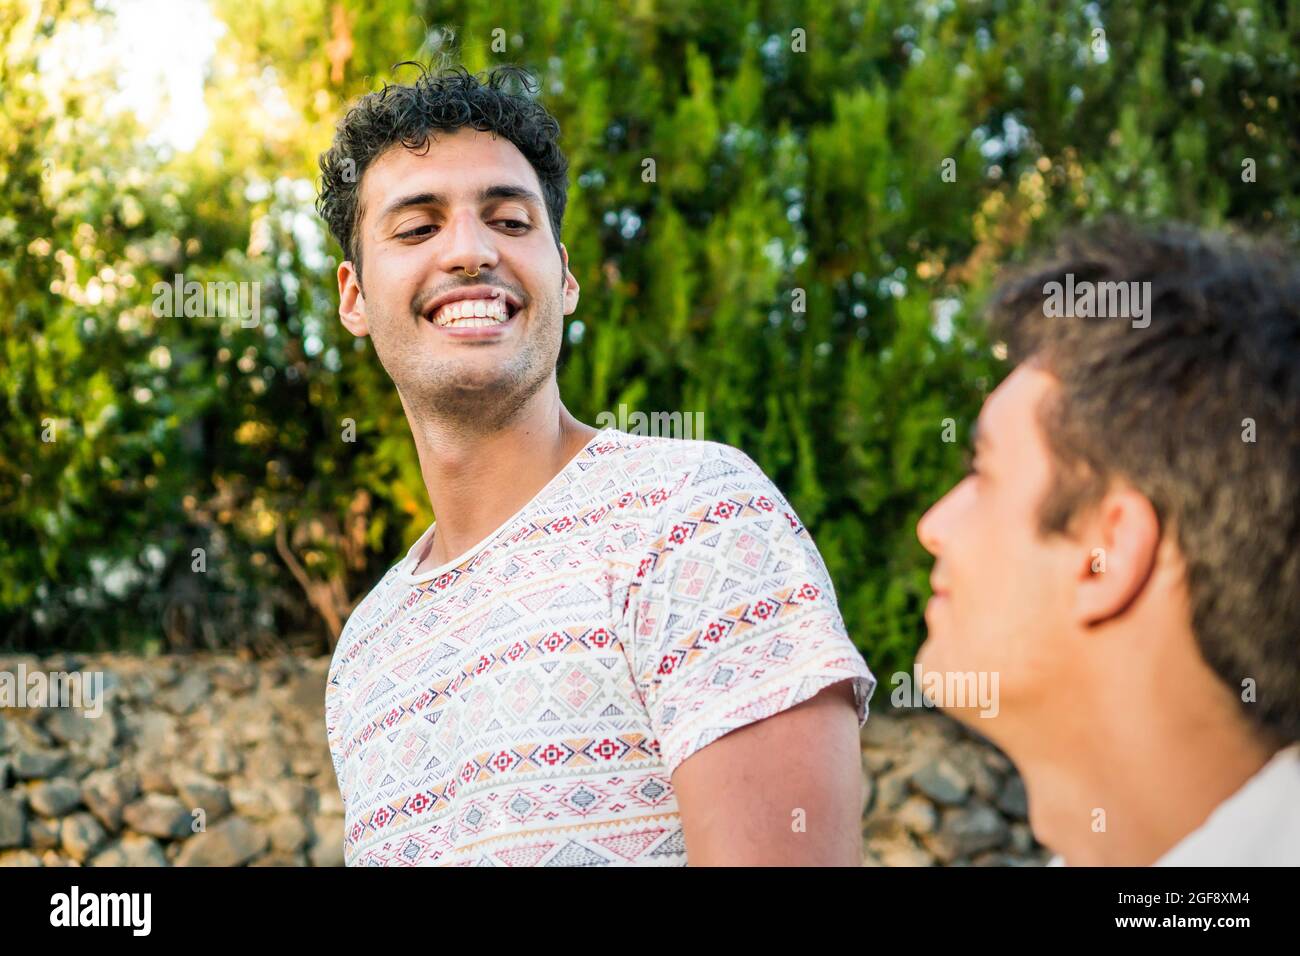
1165,408
442,101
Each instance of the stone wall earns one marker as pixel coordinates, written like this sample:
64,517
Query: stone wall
244,742
938,794
215,761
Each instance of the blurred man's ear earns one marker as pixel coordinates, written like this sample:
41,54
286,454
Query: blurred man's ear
1119,540
352,301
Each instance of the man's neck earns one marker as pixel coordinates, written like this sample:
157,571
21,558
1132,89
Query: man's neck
1136,778
476,481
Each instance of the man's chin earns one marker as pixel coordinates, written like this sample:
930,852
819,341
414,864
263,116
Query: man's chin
483,397
931,653
942,648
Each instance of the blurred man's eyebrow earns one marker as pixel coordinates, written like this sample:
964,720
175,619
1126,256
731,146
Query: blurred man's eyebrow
486,194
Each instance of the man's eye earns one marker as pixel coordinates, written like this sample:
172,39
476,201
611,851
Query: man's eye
968,462
417,231
514,224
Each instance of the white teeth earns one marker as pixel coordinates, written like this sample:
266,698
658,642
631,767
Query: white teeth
473,313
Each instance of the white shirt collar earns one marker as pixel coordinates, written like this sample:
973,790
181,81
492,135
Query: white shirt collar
1259,825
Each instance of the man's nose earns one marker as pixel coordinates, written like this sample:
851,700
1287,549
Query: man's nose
927,529
466,245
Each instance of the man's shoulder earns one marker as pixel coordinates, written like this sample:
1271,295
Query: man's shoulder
689,497
365,616
682,469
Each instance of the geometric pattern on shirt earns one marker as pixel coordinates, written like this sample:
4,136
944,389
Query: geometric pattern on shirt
528,704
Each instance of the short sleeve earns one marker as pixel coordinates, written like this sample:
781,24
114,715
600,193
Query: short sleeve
734,615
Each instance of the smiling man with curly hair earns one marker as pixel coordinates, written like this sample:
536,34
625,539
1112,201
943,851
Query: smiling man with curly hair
608,649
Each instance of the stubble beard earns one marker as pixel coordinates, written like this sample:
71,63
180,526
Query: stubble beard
485,399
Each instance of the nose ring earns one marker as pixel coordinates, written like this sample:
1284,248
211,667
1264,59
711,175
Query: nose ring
472,275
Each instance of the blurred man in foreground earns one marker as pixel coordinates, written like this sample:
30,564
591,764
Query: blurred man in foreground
1125,553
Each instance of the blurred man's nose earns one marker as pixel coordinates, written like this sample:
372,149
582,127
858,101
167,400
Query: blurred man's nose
927,529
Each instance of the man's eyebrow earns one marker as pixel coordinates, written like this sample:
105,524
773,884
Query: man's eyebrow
486,194
509,192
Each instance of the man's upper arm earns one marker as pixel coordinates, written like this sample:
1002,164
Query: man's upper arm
737,635
784,791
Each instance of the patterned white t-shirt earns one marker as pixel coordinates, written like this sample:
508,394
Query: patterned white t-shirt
527,703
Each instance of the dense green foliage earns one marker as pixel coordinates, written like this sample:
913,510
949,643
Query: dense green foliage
800,269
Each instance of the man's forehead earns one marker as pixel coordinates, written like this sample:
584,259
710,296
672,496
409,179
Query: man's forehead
1013,405
454,164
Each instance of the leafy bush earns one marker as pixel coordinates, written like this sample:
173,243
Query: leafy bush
806,269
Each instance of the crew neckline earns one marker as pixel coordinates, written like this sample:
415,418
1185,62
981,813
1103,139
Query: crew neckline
406,570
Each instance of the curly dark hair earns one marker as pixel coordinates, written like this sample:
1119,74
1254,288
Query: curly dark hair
441,101
1200,411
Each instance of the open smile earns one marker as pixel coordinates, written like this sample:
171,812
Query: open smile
473,311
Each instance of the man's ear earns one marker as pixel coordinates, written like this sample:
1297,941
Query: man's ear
571,289
352,301
1122,535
